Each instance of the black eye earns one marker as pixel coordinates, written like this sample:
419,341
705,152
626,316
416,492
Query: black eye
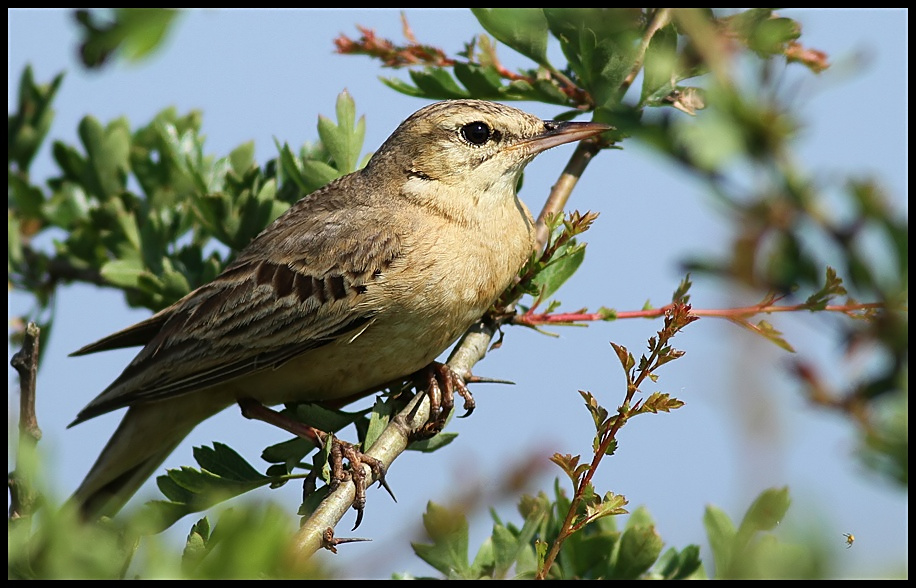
476,133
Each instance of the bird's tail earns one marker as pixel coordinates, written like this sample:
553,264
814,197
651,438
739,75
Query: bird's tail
147,434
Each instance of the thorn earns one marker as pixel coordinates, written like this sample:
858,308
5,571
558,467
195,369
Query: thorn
384,483
485,380
330,543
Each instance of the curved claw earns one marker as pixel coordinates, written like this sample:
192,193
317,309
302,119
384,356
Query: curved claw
339,451
359,517
441,384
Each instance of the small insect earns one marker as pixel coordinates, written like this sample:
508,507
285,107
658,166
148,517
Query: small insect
850,539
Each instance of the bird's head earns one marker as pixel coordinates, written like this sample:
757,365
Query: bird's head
479,146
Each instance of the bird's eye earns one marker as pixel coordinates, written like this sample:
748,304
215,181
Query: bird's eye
476,133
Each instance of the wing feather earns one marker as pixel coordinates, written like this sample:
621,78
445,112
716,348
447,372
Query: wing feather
302,283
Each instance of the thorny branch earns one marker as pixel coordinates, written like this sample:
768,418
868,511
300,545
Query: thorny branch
734,314
414,53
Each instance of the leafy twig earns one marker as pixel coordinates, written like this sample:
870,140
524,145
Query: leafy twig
855,310
677,317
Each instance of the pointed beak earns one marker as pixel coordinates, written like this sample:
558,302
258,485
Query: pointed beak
559,133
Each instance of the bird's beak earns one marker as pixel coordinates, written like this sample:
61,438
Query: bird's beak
559,133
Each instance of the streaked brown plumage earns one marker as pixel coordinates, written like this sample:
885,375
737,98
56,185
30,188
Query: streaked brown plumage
361,282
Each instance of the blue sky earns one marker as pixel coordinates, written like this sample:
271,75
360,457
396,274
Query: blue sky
265,75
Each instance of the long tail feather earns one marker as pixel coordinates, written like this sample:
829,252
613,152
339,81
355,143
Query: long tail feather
146,436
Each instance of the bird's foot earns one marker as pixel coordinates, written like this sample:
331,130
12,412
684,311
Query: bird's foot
339,451
441,382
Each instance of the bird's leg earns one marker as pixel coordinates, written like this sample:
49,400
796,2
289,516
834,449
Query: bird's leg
441,383
340,450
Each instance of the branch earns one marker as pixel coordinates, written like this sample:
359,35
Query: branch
60,269
393,441
559,194
530,319
25,361
661,18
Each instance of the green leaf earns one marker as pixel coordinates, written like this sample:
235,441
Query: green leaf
174,283
481,81
28,126
290,168
711,142
658,401
242,157
325,419
70,161
215,213
720,532
639,518
255,213
378,421
625,357
833,287
195,548
434,443
484,562
563,265
598,412
127,222
771,36
147,28
107,150
522,29
13,244
448,530
547,91
223,461
540,550
506,547
273,207
124,273
224,474
770,332
248,542
289,453
438,84
639,548
660,63
536,515
133,32
680,566
67,207
403,87
344,141
570,465
764,514
317,174
610,504
742,554
600,44
586,555
681,292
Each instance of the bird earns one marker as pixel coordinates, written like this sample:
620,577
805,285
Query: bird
361,282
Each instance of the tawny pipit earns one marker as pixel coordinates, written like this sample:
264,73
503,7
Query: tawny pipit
359,283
